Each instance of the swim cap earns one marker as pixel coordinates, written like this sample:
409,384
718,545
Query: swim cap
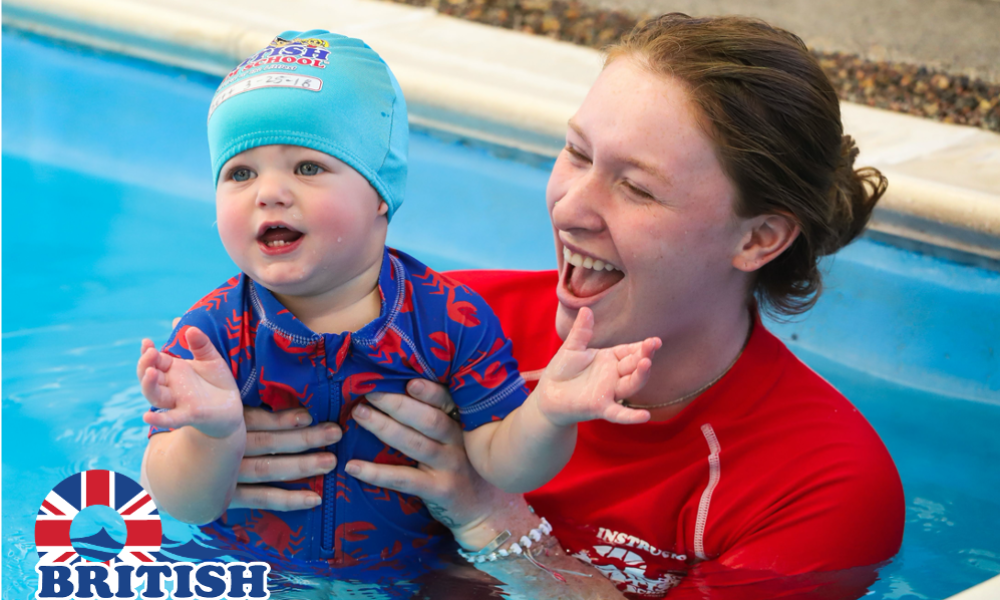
320,90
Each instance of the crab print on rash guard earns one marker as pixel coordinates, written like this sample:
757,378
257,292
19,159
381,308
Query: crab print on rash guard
429,327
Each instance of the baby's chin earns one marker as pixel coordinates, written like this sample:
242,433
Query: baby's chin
289,283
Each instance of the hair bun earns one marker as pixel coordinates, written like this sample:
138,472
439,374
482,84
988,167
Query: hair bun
854,194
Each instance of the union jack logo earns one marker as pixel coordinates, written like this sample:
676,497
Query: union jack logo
93,488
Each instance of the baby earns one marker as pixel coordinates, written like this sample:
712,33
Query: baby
308,140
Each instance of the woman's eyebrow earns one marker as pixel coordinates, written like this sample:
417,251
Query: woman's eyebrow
630,161
572,125
649,168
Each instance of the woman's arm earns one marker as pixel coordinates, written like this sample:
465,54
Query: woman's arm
453,492
458,497
275,445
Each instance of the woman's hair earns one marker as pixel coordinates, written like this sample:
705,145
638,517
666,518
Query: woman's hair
775,120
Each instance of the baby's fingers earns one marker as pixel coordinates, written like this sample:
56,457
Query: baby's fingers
582,331
644,349
632,379
155,389
616,413
170,419
151,357
650,346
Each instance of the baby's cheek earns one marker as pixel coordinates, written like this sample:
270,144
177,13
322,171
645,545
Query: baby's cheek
233,230
340,225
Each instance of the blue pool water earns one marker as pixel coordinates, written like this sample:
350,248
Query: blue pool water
108,234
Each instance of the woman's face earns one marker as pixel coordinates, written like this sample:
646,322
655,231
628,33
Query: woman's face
638,187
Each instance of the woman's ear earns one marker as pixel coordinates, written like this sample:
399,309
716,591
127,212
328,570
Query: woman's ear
765,237
383,208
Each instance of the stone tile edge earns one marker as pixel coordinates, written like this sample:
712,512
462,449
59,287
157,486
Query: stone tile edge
964,220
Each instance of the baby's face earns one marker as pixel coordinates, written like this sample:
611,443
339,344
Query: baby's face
298,221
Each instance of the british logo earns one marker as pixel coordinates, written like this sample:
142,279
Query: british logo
98,534
98,488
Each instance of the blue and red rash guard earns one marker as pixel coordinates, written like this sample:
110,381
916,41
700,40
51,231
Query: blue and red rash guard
767,478
428,327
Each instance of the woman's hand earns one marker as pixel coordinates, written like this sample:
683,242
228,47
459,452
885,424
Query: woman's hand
451,489
275,441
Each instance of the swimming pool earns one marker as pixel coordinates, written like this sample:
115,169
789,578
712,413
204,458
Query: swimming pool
109,233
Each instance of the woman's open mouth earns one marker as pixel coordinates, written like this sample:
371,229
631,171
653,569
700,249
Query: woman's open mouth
587,277
276,238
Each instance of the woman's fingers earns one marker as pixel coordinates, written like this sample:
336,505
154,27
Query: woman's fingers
407,480
430,392
291,441
420,417
258,419
266,497
266,469
408,441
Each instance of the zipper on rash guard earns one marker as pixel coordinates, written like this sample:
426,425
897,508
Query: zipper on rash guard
330,479
335,380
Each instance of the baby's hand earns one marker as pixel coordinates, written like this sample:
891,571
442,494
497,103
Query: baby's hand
200,392
582,384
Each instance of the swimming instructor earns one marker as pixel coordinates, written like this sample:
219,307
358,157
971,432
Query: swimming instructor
704,175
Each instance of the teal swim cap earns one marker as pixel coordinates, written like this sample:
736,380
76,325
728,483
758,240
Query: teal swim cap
320,90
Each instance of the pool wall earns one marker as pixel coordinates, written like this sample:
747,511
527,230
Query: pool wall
518,91
927,325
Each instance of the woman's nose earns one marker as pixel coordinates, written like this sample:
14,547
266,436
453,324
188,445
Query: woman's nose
581,206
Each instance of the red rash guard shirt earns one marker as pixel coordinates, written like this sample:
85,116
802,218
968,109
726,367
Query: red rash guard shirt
771,472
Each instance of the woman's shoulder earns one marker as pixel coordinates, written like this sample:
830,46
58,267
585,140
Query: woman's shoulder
782,413
797,397
802,445
525,302
509,286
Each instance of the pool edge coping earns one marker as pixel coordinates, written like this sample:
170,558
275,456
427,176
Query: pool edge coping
987,590
518,90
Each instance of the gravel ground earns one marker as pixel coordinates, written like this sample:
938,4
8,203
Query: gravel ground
912,89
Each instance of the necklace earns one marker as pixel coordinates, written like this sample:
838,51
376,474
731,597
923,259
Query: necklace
625,402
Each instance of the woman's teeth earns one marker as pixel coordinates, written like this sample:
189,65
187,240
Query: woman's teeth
578,260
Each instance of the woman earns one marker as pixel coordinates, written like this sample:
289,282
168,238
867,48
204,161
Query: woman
708,166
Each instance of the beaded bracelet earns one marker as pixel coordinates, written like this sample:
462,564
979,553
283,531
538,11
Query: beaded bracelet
490,552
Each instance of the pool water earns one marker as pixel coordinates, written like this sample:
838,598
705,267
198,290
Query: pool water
109,234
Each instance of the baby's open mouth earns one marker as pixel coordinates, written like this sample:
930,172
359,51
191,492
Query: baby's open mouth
586,277
278,236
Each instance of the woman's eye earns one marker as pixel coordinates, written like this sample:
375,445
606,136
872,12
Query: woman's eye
240,174
309,168
576,154
638,191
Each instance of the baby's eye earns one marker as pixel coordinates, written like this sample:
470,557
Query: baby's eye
308,168
240,174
